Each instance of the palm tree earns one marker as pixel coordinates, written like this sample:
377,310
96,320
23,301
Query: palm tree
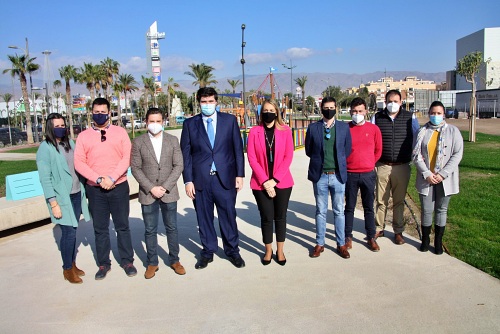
68,73
234,84
202,74
111,69
149,89
127,83
170,93
20,66
302,84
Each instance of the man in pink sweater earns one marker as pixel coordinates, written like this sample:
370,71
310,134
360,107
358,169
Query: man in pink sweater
366,151
102,156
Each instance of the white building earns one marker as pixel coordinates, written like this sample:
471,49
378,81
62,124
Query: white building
486,41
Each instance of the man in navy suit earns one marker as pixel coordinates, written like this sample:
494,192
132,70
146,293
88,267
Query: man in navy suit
328,144
214,167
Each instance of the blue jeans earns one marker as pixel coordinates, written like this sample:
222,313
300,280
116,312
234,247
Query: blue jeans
150,214
328,184
68,234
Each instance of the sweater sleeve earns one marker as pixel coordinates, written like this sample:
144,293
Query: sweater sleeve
81,165
124,163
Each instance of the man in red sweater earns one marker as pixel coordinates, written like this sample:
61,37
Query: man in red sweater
366,151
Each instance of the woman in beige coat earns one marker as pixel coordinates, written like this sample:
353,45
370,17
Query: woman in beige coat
437,153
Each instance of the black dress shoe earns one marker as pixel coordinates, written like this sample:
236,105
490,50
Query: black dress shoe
282,262
265,262
202,263
237,261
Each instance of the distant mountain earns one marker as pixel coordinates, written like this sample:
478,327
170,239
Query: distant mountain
316,82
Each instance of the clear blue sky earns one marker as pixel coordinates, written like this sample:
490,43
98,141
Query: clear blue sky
318,35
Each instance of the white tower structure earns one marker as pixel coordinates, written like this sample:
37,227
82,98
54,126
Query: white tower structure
153,53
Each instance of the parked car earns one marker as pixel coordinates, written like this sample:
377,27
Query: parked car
18,136
180,119
137,124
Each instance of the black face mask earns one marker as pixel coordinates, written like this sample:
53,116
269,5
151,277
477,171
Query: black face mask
328,114
268,117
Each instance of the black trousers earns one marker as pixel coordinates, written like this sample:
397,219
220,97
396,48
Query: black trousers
102,204
273,210
366,183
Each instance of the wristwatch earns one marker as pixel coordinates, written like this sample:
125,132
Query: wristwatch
99,180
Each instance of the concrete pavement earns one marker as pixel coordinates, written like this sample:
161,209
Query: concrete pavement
397,289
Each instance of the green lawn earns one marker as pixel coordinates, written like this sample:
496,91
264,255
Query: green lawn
14,167
25,150
473,231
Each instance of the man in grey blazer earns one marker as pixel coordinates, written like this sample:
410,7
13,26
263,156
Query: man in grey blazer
157,164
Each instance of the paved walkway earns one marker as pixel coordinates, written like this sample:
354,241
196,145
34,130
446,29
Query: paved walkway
6,156
395,290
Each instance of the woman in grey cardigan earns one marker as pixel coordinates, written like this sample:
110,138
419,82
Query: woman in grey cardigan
63,190
437,153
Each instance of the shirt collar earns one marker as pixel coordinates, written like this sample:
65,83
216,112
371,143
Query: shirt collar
155,138
213,117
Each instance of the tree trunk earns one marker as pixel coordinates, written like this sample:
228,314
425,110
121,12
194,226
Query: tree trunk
472,114
27,109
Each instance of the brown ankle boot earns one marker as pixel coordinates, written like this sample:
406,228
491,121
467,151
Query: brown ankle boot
77,270
71,276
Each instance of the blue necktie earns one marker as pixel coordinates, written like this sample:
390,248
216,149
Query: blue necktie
211,137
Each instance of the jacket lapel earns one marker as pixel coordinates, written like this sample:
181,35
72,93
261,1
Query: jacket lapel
150,147
164,148
203,132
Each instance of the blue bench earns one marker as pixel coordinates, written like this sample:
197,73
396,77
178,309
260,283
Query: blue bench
22,186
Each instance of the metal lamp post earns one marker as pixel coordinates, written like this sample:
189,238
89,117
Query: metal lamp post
291,67
33,89
245,116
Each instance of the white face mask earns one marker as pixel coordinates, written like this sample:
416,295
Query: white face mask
393,107
358,118
155,128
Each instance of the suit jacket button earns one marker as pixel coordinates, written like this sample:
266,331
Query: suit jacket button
156,180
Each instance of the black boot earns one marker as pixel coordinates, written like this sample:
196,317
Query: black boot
426,232
438,239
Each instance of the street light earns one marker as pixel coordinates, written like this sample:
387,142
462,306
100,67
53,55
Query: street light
245,116
291,67
33,89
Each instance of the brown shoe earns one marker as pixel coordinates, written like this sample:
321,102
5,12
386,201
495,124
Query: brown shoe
71,276
178,268
317,251
77,270
342,250
398,239
379,234
372,244
150,272
348,242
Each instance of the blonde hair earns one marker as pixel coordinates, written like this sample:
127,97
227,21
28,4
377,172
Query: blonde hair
278,121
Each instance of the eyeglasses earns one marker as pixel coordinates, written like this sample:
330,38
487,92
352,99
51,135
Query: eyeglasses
327,133
103,136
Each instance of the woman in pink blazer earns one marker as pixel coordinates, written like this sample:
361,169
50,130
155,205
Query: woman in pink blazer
270,154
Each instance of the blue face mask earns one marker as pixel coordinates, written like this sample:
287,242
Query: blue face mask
59,132
100,119
207,109
436,119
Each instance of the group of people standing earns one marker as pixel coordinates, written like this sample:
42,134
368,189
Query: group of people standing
344,158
